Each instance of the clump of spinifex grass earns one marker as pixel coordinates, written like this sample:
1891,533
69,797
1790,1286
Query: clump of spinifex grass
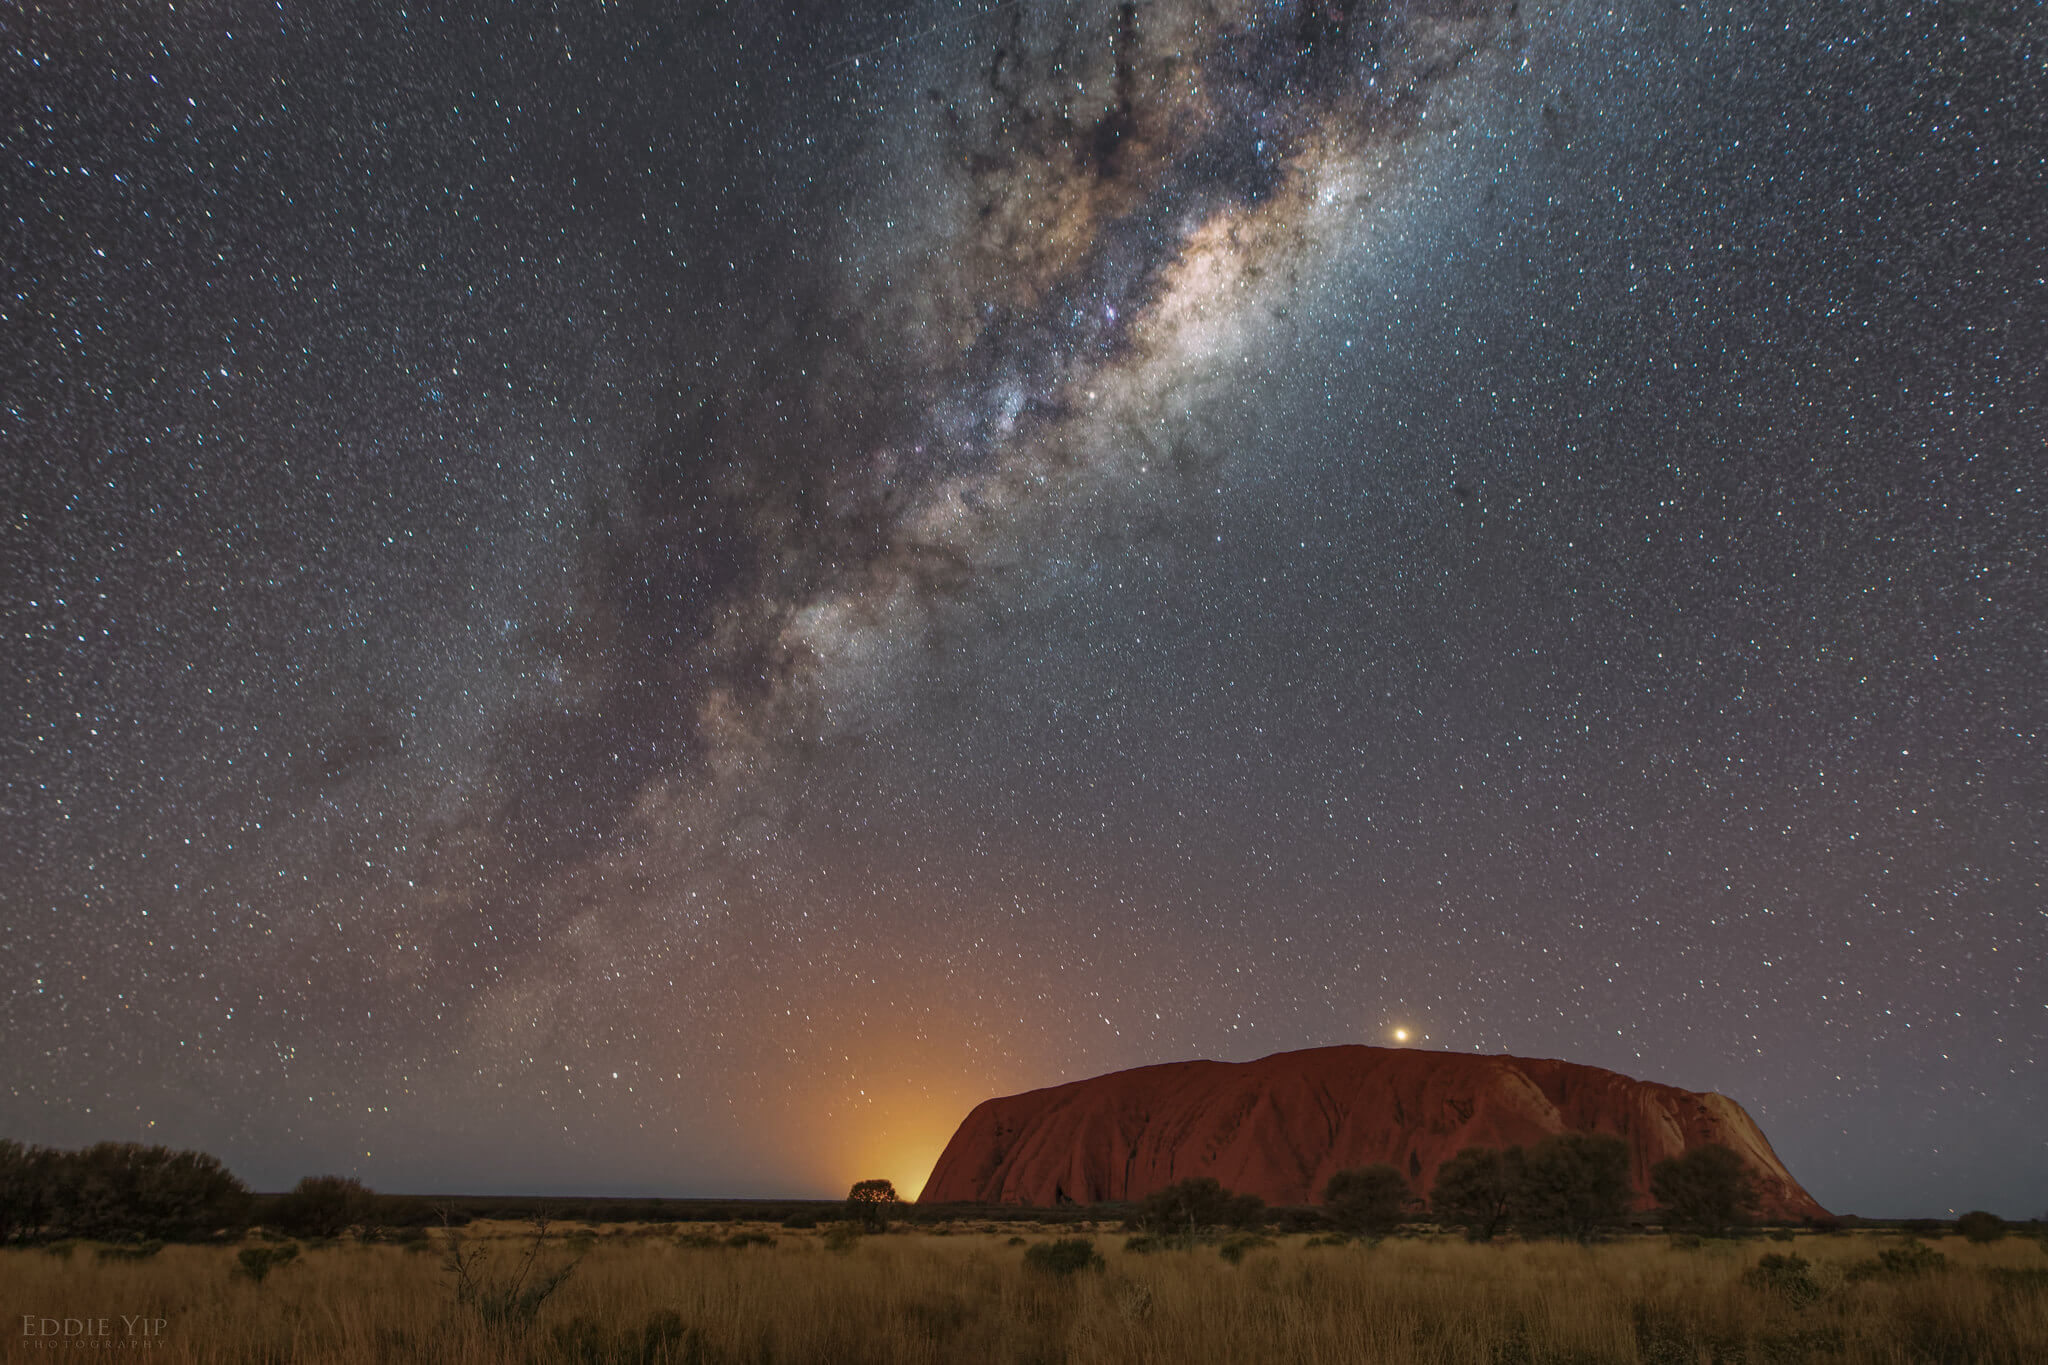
970,1296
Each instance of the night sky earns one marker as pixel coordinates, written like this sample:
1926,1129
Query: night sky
658,598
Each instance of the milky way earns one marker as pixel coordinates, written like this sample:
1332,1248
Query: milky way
625,601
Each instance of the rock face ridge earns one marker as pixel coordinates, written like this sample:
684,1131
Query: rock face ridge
1279,1127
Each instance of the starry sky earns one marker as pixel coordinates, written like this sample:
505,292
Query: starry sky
658,598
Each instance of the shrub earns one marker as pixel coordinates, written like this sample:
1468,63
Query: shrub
131,1251
1474,1191
117,1191
255,1263
1911,1257
798,1222
323,1206
1572,1185
1366,1202
1707,1190
1066,1256
1789,1277
1981,1227
842,1237
1301,1220
1242,1245
741,1240
663,1337
1198,1202
1334,1239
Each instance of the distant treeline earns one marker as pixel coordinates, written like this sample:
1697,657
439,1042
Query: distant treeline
1571,1186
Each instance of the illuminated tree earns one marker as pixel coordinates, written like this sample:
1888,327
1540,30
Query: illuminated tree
870,1202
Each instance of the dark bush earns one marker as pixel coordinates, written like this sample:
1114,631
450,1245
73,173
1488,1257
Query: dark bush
1474,1191
117,1191
1708,1190
323,1206
255,1263
1301,1220
1237,1248
1981,1227
1196,1203
1789,1277
1572,1185
1366,1202
1067,1256
1911,1257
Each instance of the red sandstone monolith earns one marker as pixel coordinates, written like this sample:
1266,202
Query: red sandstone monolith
1279,1127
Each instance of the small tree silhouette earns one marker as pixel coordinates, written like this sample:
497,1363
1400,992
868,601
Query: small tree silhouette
1571,1185
1475,1191
1366,1202
1188,1206
1708,1190
1980,1226
870,1202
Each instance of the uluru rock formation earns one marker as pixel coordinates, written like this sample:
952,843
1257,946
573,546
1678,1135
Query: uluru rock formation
1279,1127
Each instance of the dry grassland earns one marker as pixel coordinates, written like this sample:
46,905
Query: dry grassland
924,1296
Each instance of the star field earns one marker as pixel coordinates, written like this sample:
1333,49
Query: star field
613,598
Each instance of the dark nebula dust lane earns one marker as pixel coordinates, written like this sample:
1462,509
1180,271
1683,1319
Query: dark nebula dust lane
620,598
838,491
